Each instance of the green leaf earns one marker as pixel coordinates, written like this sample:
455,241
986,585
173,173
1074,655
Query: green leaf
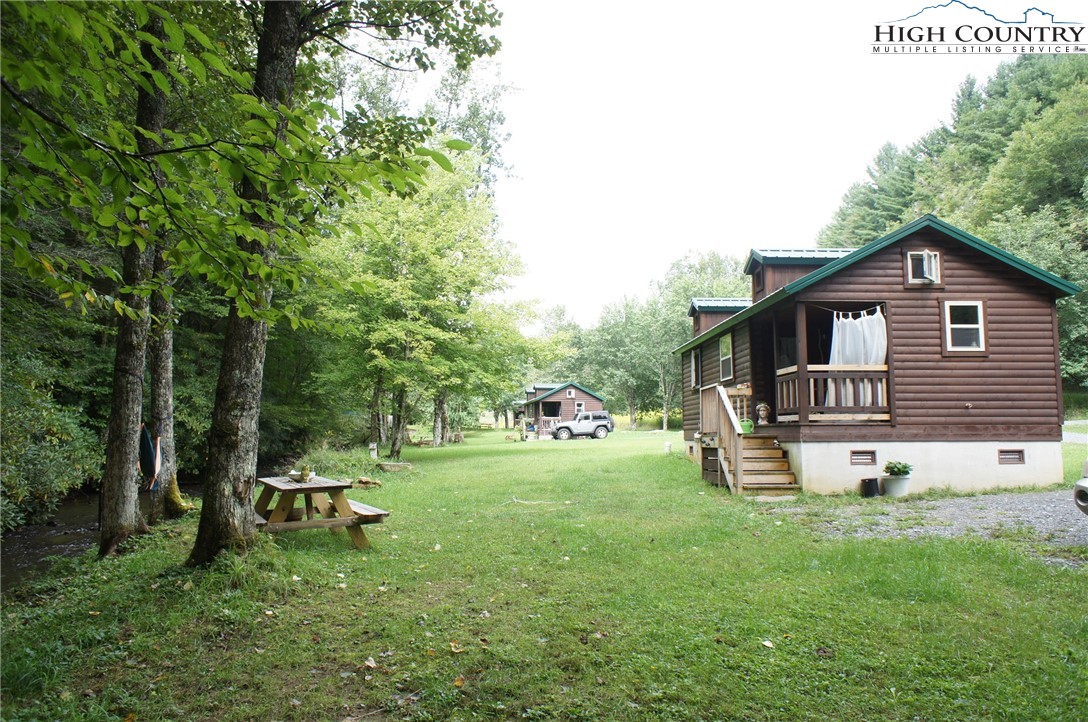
216,63
200,36
197,67
456,144
106,219
443,162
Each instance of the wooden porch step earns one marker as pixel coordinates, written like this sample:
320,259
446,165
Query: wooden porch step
762,464
760,441
765,489
769,453
752,478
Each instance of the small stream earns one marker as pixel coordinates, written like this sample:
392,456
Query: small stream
73,530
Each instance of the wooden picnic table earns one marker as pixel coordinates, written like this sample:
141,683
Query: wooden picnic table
320,496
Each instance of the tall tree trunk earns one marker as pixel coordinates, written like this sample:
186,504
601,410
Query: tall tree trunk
227,518
120,508
438,430
400,421
665,393
160,362
377,421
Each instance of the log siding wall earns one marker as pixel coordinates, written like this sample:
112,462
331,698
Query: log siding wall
1015,386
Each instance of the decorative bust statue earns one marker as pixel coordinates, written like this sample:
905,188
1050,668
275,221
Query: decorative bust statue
763,414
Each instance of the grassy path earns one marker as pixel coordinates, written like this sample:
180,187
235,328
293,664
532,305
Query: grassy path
595,580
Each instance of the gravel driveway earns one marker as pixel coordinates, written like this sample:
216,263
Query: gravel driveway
1045,520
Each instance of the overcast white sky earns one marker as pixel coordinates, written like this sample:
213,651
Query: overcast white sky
641,131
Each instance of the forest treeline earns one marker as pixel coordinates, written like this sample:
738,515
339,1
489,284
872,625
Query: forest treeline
195,192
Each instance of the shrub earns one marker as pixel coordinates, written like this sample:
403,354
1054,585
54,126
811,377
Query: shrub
45,449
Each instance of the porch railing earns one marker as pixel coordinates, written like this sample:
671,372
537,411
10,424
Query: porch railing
721,410
833,393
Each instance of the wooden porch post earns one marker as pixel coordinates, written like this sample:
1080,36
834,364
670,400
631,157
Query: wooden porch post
803,399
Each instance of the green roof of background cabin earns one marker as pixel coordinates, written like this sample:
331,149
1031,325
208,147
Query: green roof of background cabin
557,388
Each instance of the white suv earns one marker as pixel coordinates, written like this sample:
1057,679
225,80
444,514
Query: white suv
588,423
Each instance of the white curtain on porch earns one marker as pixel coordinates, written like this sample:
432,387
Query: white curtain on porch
858,338
861,341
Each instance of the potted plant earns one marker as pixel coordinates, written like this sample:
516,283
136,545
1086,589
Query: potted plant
896,478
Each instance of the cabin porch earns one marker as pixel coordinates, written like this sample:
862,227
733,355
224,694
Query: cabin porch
834,371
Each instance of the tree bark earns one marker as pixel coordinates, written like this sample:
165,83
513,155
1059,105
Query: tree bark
438,430
666,392
227,519
160,361
400,422
120,508
377,420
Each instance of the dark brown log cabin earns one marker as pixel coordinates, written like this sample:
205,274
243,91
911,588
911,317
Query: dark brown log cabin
546,405
968,389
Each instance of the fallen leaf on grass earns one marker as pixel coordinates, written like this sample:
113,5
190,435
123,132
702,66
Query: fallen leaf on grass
370,663
768,644
824,652
456,647
459,682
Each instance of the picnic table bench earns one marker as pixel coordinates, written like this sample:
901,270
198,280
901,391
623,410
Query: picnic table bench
321,496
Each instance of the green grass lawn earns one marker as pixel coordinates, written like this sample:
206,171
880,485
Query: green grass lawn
581,580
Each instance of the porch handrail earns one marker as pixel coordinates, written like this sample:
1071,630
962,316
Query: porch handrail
834,392
733,441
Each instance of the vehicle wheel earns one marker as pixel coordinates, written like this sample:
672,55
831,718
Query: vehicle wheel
562,434
600,432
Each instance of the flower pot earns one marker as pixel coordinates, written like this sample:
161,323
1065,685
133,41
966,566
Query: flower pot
896,485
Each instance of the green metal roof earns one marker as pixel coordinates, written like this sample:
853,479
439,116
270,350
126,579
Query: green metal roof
718,305
559,388
1061,287
794,257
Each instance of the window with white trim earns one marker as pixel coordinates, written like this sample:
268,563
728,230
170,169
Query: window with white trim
579,406
963,326
725,354
923,267
570,393
696,368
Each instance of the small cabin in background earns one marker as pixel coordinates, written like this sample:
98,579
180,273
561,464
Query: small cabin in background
546,405
927,346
